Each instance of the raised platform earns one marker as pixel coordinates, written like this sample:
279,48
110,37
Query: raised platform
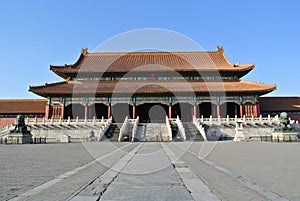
285,136
19,138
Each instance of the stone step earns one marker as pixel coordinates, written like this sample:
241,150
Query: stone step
153,132
112,134
192,133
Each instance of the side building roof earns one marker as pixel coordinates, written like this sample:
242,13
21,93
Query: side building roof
280,104
23,106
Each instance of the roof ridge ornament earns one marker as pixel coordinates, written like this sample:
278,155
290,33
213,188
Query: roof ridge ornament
220,49
84,51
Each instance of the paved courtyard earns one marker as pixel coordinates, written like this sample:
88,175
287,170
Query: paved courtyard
150,171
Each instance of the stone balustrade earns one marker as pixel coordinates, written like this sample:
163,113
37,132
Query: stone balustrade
69,121
135,128
221,121
123,129
104,127
198,124
181,129
169,129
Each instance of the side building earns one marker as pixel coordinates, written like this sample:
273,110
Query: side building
275,105
31,108
123,84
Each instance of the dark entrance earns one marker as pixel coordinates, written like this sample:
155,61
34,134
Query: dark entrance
74,110
228,109
97,110
205,109
120,111
152,112
183,110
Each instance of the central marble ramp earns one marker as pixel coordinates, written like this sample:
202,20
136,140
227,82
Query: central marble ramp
149,175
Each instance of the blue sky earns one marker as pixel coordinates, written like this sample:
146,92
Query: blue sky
35,34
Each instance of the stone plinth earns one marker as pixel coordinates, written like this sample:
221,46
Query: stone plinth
19,138
285,136
239,135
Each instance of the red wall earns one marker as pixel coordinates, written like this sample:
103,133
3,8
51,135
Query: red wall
8,121
295,117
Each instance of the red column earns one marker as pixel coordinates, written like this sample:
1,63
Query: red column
47,111
218,109
199,110
258,109
195,110
241,110
255,110
86,111
109,111
235,109
62,113
133,111
170,111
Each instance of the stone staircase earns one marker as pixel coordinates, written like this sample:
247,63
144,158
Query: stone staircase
129,133
112,134
192,133
55,132
141,132
175,134
153,132
164,133
250,130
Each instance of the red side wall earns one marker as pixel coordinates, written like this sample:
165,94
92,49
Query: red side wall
8,121
295,117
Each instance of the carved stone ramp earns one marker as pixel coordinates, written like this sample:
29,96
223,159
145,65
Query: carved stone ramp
153,132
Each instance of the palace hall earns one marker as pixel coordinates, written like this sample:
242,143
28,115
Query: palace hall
119,84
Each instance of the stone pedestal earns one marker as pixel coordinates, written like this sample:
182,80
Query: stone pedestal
19,138
239,135
20,135
285,136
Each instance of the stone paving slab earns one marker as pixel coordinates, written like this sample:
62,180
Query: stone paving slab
148,176
24,167
193,183
73,180
147,194
96,188
222,185
274,166
156,171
